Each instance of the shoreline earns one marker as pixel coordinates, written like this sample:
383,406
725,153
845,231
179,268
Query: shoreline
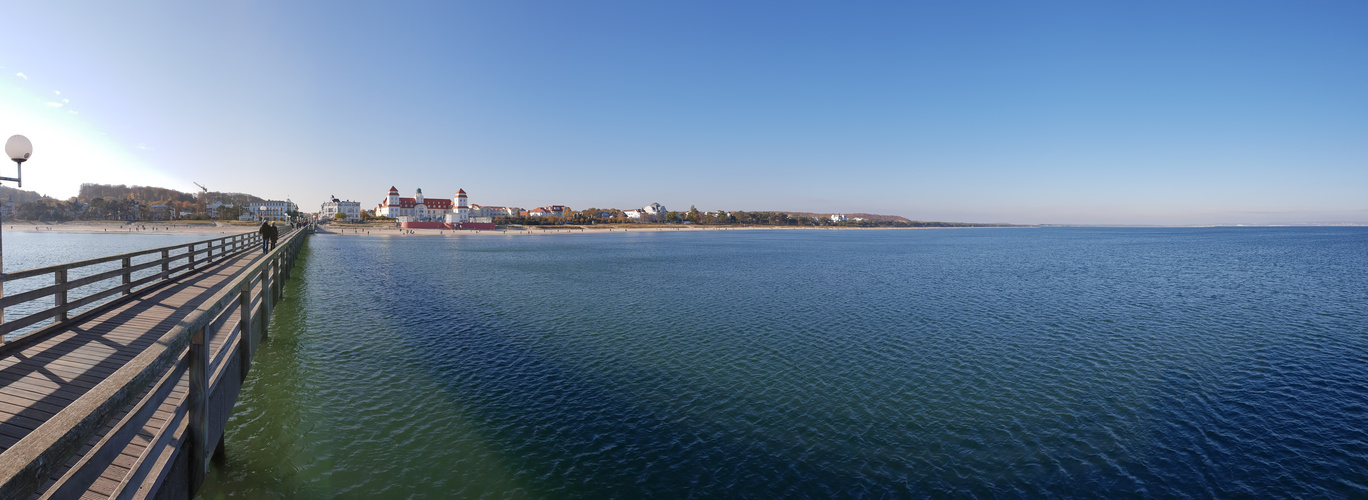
156,227
554,230
161,227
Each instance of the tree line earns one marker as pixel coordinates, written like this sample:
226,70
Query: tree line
121,202
739,217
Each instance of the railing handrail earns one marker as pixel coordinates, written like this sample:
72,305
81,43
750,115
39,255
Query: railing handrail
31,460
226,246
39,271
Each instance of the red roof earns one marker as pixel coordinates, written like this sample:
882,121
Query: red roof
460,191
433,204
393,190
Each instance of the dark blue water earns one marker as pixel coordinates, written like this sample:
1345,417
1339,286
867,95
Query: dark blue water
1223,362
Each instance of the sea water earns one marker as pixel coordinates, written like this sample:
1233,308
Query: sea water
807,363
24,250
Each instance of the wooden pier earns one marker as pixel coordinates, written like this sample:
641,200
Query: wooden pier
125,394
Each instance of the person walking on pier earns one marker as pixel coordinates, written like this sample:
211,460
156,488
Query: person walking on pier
265,231
275,234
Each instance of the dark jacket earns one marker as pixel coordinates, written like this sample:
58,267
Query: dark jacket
275,234
265,230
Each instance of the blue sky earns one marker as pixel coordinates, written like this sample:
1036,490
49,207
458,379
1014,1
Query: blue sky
1024,112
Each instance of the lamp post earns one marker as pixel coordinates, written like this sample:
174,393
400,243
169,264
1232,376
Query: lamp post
19,149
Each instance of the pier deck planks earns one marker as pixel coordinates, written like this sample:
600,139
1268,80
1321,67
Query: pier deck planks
40,379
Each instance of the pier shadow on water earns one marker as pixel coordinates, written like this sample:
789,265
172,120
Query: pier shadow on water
922,363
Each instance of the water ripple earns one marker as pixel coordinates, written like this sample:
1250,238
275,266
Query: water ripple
986,363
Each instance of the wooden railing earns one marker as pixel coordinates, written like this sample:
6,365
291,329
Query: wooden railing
168,263
240,311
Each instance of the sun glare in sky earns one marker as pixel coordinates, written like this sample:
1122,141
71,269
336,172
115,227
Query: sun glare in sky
68,151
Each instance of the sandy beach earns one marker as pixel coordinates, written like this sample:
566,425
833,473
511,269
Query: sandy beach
390,231
344,230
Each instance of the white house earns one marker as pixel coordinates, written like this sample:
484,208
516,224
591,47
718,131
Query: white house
213,208
268,210
654,212
491,212
549,211
330,209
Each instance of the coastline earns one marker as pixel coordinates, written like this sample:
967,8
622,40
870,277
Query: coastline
165,227
559,230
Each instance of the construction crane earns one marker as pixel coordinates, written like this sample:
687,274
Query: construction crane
204,196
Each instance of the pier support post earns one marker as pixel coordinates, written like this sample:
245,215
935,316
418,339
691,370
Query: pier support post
59,299
219,454
198,399
127,276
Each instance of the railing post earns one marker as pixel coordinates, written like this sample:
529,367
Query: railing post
192,257
166,264
265,300
59,299
270,291
198,400
127,276
275,278
245,329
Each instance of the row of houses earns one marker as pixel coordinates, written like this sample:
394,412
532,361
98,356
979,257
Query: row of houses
270,210
457,209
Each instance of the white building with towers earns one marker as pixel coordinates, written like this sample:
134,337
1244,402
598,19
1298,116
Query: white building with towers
420,209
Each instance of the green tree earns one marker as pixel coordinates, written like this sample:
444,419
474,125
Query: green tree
229,213
96,209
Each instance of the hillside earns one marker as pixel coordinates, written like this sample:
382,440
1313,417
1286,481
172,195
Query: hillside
150,194
18,196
